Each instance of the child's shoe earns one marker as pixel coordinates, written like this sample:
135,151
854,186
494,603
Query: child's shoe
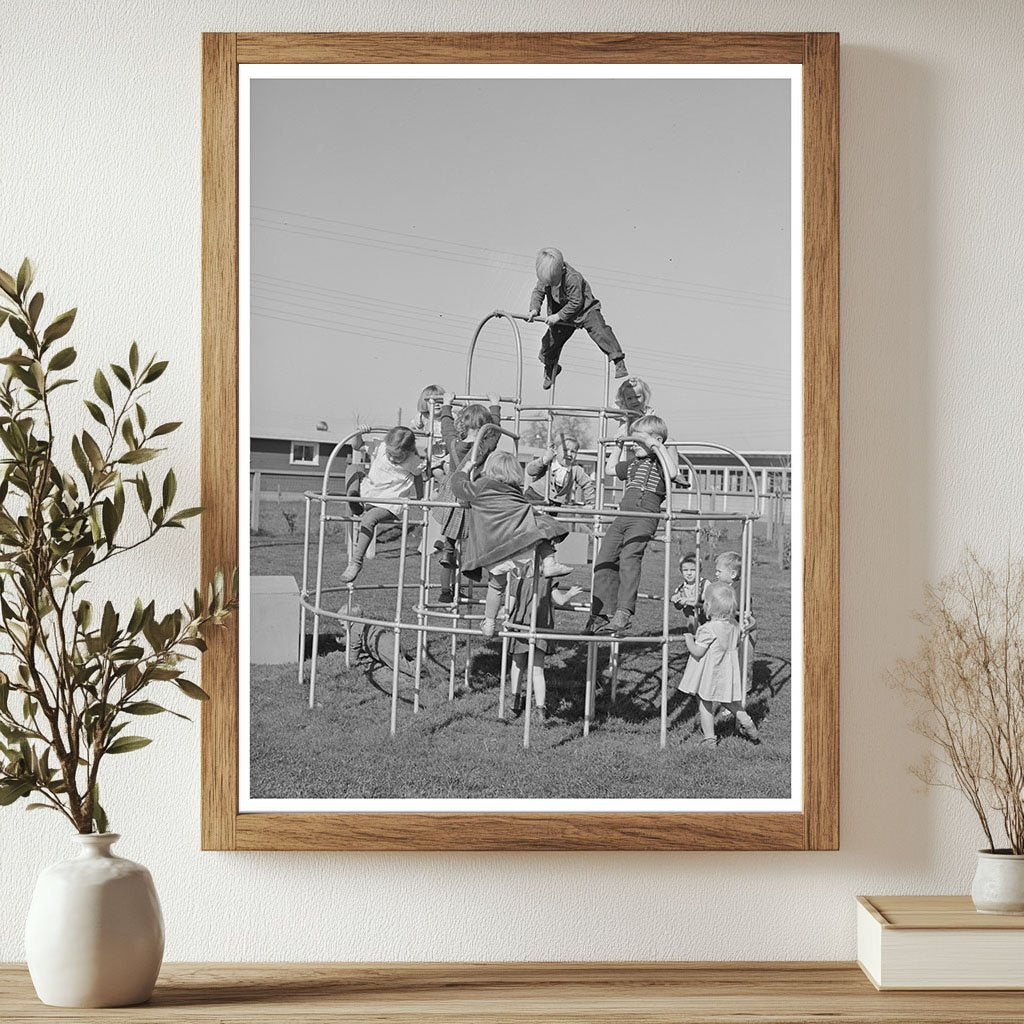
745,727
621,621
708,743
549,568
352,570
518,704
550,373
595,624
489,627
448,558
620,368
446,597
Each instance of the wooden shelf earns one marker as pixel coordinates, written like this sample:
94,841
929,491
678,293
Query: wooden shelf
659,993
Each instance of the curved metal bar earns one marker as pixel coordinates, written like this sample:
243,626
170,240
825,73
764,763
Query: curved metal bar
758,496
511,318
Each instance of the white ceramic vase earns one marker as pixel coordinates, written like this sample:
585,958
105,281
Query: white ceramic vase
999,883
95,934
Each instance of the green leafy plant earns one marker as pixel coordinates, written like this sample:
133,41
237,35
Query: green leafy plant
81,672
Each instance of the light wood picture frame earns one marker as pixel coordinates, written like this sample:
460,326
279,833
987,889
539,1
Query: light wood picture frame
815,826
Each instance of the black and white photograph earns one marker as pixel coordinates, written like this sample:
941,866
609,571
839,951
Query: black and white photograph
519,398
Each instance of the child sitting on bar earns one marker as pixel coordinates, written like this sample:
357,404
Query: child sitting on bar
392,475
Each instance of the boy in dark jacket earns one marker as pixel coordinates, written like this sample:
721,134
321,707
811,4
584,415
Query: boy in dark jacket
571,305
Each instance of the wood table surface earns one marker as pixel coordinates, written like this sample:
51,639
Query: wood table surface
794,993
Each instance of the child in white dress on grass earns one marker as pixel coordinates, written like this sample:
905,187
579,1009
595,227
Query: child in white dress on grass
713,671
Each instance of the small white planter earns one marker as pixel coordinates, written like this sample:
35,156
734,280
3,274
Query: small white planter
999,883
95,934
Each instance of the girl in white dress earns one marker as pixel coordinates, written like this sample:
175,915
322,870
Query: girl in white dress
713,671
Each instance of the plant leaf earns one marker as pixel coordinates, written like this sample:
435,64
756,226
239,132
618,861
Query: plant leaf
60,326
139,455
102,388
191,690
155,371
166,428
170,488
35,308
63,359
26,274
126,744
133,358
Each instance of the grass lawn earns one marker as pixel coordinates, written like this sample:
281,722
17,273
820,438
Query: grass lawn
460,749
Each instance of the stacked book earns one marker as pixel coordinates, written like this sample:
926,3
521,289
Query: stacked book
938,942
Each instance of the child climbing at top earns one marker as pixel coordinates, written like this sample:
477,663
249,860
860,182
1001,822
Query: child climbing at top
503,531
392,476
713,670
570,306
571,484
618,564
459,437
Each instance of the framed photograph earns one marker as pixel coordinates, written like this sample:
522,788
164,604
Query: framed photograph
520,420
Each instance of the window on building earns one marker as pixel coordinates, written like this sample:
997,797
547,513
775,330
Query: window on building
304,453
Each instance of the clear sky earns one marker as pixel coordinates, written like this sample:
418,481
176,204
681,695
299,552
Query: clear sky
390,216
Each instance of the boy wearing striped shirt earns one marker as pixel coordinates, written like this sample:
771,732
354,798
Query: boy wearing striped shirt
617,570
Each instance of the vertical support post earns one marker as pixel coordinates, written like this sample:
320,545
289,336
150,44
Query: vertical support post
254,501
457,597
665,598
504,654
396,663
590,689
421,602
305,594
531,656
614,669
469,642
316,602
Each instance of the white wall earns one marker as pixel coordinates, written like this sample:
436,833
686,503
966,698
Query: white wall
99,165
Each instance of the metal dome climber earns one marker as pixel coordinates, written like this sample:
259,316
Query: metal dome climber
457,620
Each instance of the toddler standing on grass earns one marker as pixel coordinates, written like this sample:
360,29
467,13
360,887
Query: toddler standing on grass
713,670
728,568
503,531
393,473
687,597
571,305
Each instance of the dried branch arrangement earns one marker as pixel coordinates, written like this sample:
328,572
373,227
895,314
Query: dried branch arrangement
967,682
81,671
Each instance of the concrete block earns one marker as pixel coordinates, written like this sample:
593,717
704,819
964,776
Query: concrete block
273,620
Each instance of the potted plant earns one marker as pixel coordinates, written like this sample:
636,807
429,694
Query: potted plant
967,682
81,670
